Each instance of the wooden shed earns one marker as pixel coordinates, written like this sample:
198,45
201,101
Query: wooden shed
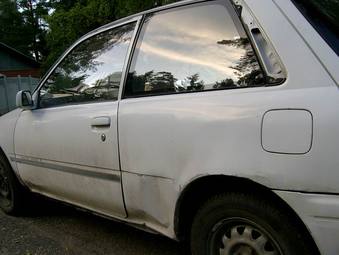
13,63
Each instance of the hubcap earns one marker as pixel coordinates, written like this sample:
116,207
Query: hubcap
242,237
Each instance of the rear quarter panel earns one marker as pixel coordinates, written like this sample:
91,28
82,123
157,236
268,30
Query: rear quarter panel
180,138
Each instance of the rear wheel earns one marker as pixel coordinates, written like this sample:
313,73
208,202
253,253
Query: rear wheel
11,191
239,224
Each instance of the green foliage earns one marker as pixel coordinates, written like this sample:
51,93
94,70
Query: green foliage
44,29
12,26
129,7
22,26
227,83
67,25
33,13
72,19
195,84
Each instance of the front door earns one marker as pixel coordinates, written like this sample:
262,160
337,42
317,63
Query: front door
67,148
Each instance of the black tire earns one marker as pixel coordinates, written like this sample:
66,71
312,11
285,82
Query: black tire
237,224
11,191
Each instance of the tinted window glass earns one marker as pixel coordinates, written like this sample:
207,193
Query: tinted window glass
91,72
194,48
324,16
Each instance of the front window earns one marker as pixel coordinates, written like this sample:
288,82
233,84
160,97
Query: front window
91,72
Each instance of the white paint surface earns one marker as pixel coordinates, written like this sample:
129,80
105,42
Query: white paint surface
165,142
287,131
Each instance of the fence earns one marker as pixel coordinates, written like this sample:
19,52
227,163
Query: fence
9,86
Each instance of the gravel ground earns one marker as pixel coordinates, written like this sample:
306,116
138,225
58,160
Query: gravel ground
53,228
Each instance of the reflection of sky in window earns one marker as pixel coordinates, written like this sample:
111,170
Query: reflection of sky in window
184,42
108,62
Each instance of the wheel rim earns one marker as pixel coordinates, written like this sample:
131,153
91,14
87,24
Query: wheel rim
239,236
5,188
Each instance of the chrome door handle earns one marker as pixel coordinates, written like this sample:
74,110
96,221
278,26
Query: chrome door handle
101,122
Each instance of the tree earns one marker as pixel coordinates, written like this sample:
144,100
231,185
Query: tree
128,7
161,82
12,27
72,19
247,68
67,25
195,84
33,13
227,83
151,82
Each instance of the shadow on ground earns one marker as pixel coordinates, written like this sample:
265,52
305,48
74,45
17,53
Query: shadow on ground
53,228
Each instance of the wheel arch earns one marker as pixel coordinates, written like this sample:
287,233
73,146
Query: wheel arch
198,191
10,163
2,152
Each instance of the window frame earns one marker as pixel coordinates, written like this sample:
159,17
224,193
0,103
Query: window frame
178,6
129,20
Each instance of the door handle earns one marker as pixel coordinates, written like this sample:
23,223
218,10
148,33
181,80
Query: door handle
101,122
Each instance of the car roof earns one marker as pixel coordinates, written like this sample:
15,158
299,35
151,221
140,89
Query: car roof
134,16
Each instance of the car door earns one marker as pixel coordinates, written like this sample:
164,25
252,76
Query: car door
179,103
67,148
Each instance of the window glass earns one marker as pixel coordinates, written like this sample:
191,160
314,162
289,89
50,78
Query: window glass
324,16
194,48
91,72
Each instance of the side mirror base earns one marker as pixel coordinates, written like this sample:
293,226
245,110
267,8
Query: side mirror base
24,100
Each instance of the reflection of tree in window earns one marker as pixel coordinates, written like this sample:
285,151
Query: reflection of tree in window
193,59
227,83
194,83
91,72
246,69
161,82
84,58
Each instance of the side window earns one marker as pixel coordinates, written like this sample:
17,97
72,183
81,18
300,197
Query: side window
91,72
194,48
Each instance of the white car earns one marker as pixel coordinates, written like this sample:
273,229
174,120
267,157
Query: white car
224,131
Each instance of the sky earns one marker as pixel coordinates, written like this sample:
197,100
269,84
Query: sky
184,42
